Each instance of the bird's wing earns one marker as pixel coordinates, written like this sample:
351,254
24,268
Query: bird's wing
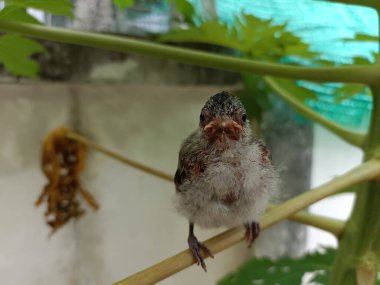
190,162
180,175
266,156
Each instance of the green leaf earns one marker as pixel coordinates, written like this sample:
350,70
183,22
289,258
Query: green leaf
298,92
265,40
300,49
58,7
211,32
362,38
122,4
361,60
15,52
186,9
348,91
284,271
254,96
16,13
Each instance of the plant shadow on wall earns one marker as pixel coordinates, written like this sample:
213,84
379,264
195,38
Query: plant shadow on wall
263,48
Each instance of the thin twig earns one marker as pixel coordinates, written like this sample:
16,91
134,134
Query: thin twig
130,162
364,172
330,225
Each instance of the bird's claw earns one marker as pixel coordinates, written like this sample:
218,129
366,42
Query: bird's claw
196,247
252,232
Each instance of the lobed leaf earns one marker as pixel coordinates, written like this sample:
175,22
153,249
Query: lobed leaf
186,9
362,38
122,4
17,13
211,32
254,95
58,7
349,90
284,271
16,52
298,92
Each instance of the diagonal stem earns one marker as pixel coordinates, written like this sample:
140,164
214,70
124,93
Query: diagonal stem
349,136
364,172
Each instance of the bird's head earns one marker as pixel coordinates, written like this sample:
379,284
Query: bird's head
223,118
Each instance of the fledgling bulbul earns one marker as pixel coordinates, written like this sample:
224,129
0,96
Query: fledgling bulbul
225,176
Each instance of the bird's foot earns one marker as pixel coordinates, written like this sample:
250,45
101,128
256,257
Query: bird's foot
196,247
252,232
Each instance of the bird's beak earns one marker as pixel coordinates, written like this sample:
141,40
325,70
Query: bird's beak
223,125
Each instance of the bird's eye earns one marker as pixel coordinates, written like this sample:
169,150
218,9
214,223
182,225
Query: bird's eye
244,117
202,118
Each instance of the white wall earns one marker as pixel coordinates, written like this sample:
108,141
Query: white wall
136,225
331,157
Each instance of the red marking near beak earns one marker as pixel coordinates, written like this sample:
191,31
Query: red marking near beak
220,129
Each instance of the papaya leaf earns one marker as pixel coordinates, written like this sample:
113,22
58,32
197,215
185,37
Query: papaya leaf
265,40
15,53
349,90
186,9
284,271
298,92
300,49
362,38
254,95
58,7
361,60
122,4
17,13
211,32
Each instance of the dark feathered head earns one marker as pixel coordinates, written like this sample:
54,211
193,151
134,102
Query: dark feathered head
223,117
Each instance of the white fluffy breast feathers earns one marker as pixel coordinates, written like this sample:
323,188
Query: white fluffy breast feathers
233,189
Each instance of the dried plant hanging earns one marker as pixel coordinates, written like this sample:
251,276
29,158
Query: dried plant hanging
63,160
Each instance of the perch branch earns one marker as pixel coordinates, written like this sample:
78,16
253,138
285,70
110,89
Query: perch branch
366,74
364,172
324,223
130,162
351,137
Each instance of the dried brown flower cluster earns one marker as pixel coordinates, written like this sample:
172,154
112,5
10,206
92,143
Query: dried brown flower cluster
63,160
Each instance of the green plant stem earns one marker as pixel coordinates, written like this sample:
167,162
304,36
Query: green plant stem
364,172
367,3
354,74
327,224
351,137
358,256
114,155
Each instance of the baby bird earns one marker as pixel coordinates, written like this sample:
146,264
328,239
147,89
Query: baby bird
225,175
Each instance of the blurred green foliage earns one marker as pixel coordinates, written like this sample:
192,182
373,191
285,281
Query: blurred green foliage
57,7
16,51
17,13
285,270
255,38
122,4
